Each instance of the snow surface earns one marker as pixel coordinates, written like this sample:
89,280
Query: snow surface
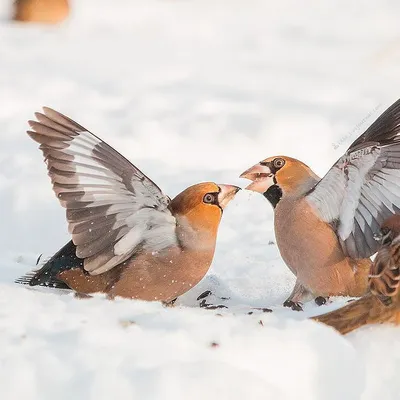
189,91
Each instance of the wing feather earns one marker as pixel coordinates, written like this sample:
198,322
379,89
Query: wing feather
362,189
113,210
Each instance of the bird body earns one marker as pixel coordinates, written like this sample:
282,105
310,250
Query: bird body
145,277
311,249
128,238
325,227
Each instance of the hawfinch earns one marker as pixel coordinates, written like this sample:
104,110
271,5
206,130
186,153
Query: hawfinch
382,305
128,238
325,227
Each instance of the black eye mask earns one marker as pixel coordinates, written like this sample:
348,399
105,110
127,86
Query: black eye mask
271,166
213,200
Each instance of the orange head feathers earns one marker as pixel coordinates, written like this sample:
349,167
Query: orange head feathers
200,206
277,176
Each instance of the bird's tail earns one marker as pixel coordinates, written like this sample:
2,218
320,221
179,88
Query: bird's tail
364,311
47,274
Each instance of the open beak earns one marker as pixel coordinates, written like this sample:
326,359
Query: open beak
261,176
226,194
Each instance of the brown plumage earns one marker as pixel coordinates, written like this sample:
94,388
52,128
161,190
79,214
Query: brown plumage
325,227
41,11
128,238
382,305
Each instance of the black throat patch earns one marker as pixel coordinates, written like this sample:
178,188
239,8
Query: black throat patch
273,195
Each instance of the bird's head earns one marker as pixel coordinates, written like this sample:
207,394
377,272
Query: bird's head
277,176
201,206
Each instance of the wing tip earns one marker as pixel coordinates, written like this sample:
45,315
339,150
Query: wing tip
49,111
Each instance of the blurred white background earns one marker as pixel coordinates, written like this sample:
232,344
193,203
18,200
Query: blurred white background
190,90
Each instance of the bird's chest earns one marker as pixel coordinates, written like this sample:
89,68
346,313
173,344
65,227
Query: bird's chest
304,241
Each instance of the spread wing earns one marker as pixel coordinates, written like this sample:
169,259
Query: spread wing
363,188
113,209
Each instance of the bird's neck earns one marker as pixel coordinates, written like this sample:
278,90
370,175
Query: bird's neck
199,238
299,187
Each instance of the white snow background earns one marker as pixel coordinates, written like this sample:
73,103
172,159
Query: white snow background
190,91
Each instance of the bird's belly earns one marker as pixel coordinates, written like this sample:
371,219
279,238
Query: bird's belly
303,239
160,280
310,248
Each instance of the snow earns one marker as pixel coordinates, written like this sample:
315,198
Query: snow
190,91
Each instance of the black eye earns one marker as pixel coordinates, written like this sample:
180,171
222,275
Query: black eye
279,162
209,198
385,230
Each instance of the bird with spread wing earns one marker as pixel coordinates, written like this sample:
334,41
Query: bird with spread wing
325,227
128,238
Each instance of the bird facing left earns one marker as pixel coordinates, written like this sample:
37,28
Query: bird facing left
128,238
325,227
